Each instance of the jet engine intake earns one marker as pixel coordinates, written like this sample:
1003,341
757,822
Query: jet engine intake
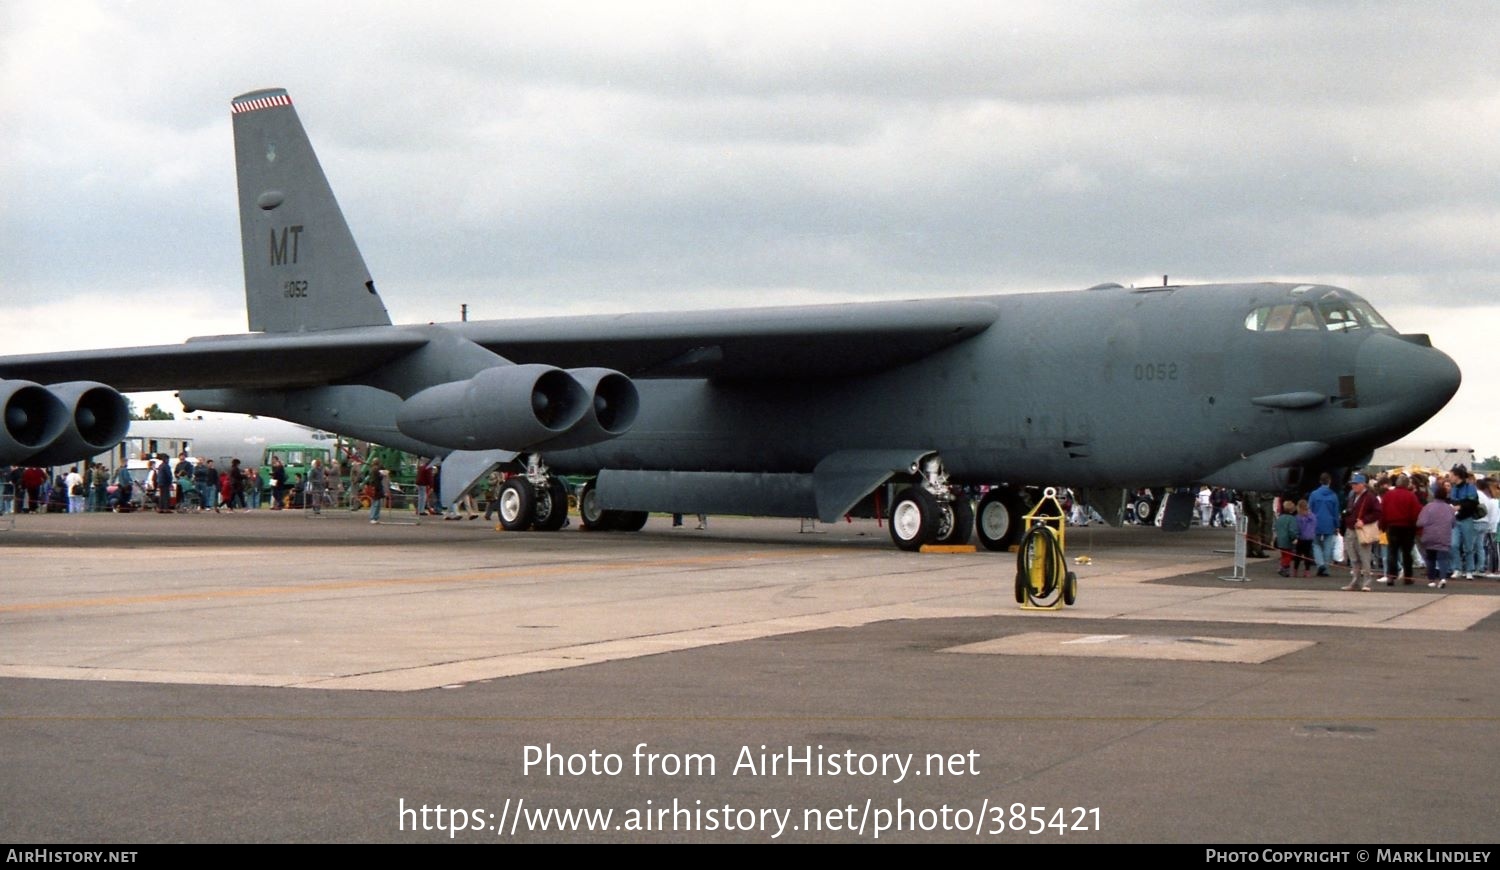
612,408
510,407
82,418
31,417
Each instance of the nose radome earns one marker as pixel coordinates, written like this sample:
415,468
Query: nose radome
1410,380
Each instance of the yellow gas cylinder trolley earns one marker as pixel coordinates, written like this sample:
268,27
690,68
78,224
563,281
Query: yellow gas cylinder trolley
1043,581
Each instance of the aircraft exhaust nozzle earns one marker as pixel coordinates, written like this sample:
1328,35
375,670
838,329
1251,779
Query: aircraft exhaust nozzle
510,407
614,403
31,418
93,419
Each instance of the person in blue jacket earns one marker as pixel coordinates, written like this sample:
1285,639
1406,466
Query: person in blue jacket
1324,503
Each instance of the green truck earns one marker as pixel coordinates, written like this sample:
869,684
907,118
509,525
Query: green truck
297,458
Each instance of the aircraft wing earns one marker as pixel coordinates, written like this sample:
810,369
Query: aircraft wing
821,341
254,360
761,343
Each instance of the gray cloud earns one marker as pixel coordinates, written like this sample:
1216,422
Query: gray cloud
835,148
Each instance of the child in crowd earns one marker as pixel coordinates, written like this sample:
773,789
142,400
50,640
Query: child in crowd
1307,530
1286,535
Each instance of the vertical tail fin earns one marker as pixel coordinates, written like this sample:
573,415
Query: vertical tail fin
303,270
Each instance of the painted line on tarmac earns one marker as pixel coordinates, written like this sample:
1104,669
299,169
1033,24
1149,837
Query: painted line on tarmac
572,568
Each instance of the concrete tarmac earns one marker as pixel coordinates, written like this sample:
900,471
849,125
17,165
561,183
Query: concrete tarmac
280,677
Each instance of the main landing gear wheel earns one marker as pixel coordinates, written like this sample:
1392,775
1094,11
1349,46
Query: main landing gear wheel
517,505
957,522
596,519
589,512
1145,511
627,521
998,520
914,519
550,509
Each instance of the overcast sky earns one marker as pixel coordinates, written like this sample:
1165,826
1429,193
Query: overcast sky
534,158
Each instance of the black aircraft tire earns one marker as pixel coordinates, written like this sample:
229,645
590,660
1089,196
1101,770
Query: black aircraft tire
627,521
1145,511
516,505
961,529
914,519
998,520
552,509
590,515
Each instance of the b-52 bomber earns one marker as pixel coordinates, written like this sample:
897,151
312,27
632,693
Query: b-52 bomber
791,411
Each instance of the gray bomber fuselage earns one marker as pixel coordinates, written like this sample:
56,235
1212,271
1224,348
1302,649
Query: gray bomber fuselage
1107,387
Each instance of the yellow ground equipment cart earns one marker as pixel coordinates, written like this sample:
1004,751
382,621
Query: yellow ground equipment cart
1043,581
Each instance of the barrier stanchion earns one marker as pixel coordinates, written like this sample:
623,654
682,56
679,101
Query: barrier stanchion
1241,534
401,503
7,506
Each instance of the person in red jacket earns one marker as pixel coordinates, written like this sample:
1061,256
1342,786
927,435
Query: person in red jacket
424,482
1399,508
31,483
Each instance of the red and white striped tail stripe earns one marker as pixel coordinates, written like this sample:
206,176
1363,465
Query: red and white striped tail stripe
261,103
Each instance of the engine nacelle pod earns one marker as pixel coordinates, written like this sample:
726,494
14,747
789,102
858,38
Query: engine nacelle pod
613,405
96,418
31,418
501,408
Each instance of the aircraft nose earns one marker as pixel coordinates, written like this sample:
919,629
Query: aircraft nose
1411,380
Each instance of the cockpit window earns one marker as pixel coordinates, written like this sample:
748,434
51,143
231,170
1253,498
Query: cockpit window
1268,318
1337,315
1277,318
1335,311
1303,318
1370,315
